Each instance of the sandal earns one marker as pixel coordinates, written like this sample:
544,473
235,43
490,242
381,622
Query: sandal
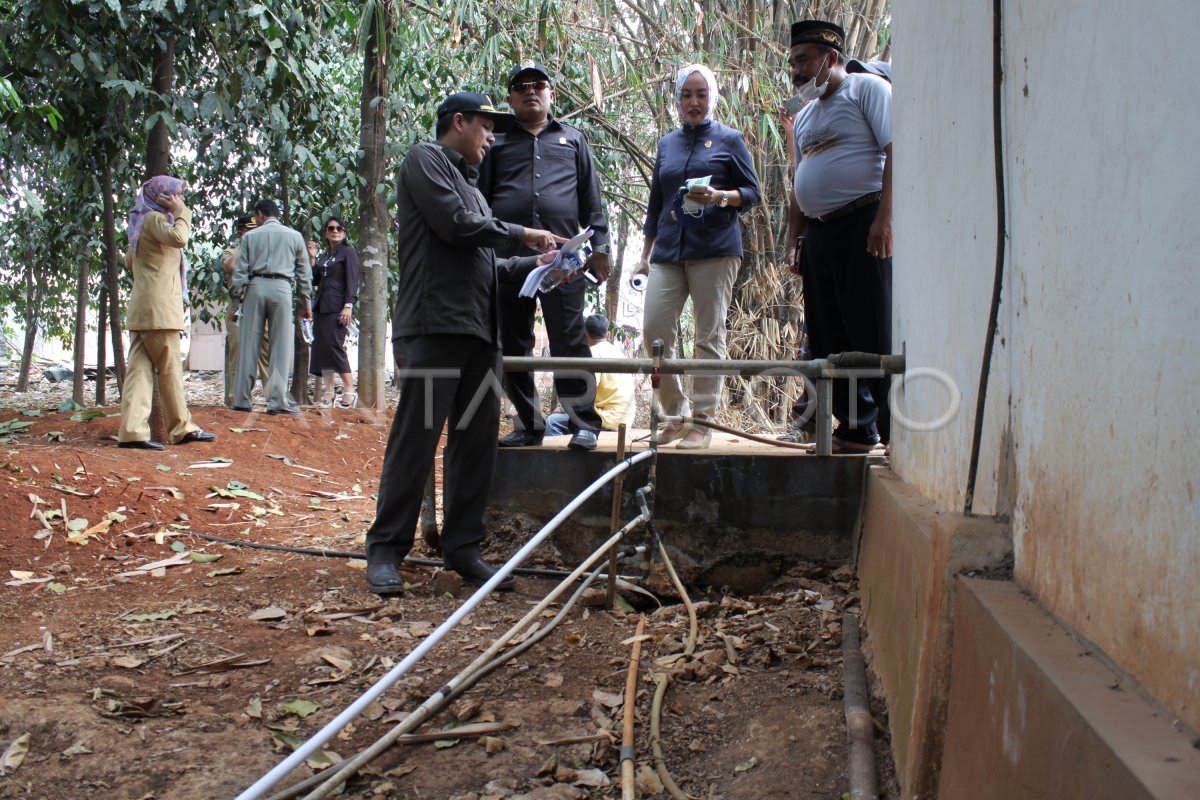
325,402
670,433
696,444
347,400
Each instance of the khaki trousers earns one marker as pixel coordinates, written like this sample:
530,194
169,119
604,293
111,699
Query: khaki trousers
709,282
153,352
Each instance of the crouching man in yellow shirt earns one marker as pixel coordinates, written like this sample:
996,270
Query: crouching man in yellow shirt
614,390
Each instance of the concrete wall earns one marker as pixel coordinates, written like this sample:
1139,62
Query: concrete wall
1035,715
729,517
907,563
1092,421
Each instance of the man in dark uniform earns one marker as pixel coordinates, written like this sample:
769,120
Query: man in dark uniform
542,174
446,340
842,209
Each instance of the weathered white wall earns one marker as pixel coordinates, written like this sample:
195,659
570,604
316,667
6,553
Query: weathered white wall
1091,437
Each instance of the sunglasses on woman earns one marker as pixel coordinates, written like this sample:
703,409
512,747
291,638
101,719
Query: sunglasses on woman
334,228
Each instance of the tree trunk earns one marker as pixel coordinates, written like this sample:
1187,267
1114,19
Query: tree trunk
112,275
613,299
298,390
373,222
101,360
158,143
31,320
158,162
27,355
81,305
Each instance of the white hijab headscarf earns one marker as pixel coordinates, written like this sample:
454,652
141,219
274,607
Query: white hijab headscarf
709,78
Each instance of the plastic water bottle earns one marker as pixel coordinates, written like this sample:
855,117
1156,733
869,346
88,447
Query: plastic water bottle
638,282
571,261
352,330
306,331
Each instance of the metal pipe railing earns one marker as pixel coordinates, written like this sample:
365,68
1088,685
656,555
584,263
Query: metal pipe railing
844,365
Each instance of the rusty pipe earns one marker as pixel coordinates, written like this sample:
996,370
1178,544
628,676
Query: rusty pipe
860,725
628,788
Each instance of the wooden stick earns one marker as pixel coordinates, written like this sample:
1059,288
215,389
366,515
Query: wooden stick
628,788
615,521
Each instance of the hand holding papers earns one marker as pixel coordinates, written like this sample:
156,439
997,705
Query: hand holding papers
560,270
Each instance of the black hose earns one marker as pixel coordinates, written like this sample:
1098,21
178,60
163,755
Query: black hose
537,572
985,368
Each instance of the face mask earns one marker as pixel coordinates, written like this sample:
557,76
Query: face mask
811,90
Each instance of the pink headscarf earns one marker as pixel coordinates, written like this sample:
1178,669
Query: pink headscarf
147,201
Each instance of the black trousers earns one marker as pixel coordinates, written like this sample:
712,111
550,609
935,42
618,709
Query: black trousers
848,307
441,378
562,312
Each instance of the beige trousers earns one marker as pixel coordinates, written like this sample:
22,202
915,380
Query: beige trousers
709,282
153,352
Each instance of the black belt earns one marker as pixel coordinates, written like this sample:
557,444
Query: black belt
271,277
850,208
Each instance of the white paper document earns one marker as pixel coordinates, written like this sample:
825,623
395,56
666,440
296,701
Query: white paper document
533,280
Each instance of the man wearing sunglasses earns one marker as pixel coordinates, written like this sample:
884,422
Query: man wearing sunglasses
541,175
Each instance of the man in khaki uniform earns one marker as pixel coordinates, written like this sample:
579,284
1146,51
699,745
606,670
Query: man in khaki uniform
269,259
233,327
158,229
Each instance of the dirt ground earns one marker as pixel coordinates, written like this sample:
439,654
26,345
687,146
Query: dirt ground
141,661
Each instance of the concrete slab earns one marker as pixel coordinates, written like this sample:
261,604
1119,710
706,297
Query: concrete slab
909,554
737,514
1035,713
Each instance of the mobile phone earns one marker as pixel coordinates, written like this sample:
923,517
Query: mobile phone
793,104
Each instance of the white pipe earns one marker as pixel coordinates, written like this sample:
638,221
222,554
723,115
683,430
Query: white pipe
434,703
358,706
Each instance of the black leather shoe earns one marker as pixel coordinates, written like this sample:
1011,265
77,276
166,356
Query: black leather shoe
146,445
288,410
522,438
383,579
583,440
476,572
240,408
198,436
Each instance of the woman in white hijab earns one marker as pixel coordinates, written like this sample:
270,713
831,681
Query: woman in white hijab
703,179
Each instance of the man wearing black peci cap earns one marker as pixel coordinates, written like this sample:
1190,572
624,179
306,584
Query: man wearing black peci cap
841,220
541,173
446,340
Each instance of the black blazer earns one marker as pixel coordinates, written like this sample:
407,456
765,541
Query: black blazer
336,276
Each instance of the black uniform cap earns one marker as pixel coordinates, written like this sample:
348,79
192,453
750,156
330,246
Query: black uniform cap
815,31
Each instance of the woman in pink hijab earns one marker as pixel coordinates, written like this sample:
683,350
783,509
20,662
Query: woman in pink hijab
159,226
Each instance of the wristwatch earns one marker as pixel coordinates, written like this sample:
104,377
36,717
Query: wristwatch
600,248
724,199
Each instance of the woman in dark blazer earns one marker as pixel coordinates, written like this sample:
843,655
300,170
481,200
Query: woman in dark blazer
693,244
336,276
